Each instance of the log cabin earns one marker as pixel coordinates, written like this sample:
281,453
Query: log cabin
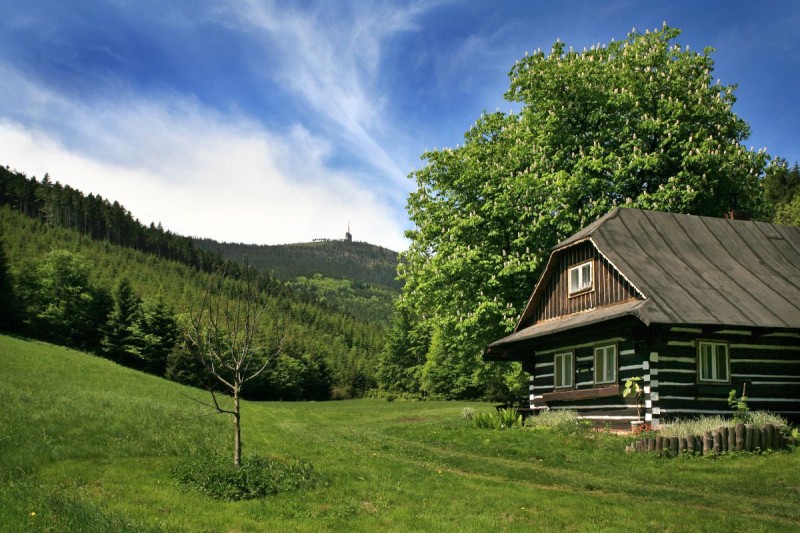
692,306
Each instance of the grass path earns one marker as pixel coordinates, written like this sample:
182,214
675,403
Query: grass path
88,446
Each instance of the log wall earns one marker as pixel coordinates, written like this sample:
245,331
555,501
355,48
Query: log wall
768,363
666,360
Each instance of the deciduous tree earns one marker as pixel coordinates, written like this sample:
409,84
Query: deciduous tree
60,303
228,336
639,122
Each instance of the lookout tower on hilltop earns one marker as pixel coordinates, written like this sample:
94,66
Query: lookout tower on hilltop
348,237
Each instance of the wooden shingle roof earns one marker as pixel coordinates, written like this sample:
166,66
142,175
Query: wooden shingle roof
689,270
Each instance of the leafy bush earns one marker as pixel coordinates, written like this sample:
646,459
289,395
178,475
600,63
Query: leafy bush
257,477
468,413
501,419
564,420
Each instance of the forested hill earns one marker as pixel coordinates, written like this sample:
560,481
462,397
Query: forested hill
93,216
334,259
63,286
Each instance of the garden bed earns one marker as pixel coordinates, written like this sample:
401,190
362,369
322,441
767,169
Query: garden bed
739,438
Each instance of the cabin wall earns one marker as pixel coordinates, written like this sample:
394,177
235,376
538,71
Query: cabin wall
768,363
666,360
609,286
614,410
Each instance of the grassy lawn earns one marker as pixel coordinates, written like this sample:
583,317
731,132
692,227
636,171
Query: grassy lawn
87,445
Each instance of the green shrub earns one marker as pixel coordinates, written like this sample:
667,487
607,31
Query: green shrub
257,477
501,419
564,420
468,413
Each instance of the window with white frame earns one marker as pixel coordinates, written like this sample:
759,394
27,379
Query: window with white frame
580,278
713,361
605,364
563,370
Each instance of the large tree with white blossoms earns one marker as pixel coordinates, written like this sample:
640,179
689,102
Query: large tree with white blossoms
639,122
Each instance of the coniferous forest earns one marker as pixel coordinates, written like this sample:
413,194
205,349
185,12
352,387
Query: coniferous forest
361,261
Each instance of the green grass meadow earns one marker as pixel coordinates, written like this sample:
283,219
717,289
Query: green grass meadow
86,445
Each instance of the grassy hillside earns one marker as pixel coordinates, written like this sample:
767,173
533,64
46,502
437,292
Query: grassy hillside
359,261
86,445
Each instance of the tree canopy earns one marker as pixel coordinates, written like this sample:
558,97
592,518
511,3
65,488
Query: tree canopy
639,122
782,192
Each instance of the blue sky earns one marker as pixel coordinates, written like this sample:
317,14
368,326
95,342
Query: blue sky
273,122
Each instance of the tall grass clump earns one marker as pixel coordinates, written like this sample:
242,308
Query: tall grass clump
760,418
563,420
693,426
256,477
698,426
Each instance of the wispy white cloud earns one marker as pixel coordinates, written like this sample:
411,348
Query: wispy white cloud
196,170
330,55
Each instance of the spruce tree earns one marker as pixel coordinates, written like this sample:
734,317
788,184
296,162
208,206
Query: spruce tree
120,341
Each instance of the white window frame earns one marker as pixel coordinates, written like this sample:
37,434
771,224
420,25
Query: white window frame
603,352
714,366
583,284
559,367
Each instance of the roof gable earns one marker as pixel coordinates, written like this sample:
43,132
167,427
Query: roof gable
696,270
551,298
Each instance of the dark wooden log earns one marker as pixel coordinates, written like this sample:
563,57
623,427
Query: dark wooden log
659,444
777,438
673,445
767,433
651,444
731,439
740,436
749,437
707,443
690,444
756,439
723,437
763,432
682,445
717,437
698,444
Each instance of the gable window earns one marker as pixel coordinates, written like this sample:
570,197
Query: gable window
563,370
605,364
580,278
713,361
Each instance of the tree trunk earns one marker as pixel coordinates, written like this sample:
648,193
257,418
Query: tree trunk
237,431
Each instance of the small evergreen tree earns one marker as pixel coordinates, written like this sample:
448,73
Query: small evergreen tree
121,341
152,336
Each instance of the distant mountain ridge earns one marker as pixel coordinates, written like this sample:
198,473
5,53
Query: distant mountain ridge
345,258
